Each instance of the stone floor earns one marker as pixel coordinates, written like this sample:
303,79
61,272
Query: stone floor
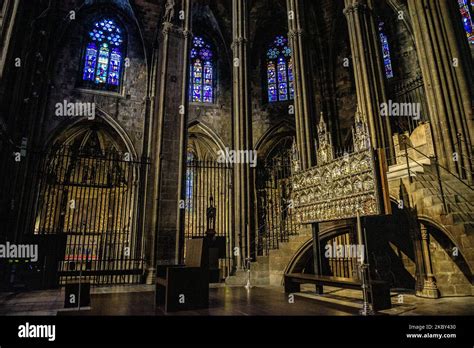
36,303
230,301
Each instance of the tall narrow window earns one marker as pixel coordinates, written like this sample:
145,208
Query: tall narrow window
467,21
103,58
202,72
190,179
280,82
387,60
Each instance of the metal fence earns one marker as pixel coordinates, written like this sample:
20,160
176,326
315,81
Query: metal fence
408,91
90,200
344,266
206,179
276,221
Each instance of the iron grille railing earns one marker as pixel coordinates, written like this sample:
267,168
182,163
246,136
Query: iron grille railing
340,266
90,201
409,91
275,216
206,179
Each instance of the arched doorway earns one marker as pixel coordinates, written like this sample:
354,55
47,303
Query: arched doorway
208,178
86,206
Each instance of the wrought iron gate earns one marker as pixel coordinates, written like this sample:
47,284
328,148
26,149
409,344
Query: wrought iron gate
275,218
206,179
345,266
89,198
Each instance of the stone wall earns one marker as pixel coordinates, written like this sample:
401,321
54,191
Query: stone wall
449,278
127,107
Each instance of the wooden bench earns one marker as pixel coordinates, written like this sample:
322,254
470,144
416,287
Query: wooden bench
378,291
184,287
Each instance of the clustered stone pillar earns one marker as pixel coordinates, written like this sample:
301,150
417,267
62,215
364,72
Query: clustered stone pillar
165,210
303,119
446,82
244,182
368,70
430,289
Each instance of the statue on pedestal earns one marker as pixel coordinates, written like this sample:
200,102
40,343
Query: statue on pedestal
169,11
211,219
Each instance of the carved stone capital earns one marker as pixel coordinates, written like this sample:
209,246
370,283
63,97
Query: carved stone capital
238,41
295,33
167,27
188,34
357,6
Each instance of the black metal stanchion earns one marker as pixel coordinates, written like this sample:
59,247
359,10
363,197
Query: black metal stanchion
247,266
363,267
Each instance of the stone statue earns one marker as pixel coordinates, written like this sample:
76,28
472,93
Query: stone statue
295,160
360,132
169,11
325,150
211,218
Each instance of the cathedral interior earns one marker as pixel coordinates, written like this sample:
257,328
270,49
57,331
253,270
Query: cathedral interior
286,133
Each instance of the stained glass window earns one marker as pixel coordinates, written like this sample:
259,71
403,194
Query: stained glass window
467,20
280,81
201,72
189,180
387,60
103,57
90,62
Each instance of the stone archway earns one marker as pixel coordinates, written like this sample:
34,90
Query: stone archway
449,267
86,208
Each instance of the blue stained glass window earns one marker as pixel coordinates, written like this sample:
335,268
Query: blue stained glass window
90,62
280,81
387,60
114,67
103,57
201,72
272,82
208,78
197,81
291,80
189,180
467,20
103,64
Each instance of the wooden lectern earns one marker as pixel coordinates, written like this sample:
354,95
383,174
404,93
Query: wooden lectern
185,287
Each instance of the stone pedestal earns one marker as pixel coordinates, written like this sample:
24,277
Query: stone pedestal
430,290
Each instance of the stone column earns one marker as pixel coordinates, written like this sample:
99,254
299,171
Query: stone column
419,259
302,104
165,213
430,290
446,82
368,70
303,120
244,175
